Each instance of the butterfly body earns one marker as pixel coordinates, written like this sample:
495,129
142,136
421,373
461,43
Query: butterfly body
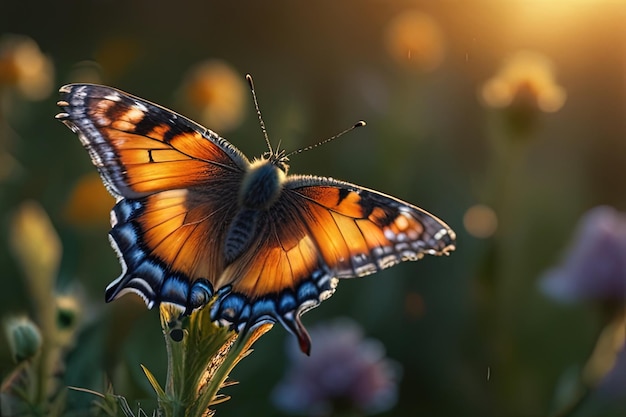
261,185
196,221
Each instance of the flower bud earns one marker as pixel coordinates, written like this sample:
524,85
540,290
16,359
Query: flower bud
24,338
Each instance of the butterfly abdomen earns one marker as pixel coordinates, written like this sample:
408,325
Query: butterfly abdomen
259,190
239,235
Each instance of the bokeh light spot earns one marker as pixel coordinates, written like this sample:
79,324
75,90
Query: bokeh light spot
216,93
480,221
415,40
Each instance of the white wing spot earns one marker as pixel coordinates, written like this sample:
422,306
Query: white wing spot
441,233
113,97
141,107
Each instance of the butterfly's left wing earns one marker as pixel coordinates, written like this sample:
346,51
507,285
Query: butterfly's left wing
175,183
321,230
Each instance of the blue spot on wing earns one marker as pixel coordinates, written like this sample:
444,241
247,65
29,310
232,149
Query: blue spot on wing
285,307
174,289
286,303
307,291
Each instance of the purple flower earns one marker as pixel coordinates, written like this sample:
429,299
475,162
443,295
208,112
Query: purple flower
344,372
594,267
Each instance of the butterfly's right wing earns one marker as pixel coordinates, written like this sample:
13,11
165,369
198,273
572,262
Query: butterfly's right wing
321,230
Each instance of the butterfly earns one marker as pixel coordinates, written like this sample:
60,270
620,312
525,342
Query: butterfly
196,221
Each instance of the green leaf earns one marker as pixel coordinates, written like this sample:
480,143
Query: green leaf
155,384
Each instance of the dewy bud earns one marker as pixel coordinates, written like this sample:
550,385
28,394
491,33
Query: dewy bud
24,338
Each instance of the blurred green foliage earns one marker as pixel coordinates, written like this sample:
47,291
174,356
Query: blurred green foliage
473,333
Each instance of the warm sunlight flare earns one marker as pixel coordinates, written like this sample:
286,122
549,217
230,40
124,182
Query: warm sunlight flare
557,18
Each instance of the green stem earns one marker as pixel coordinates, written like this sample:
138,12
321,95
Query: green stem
232,357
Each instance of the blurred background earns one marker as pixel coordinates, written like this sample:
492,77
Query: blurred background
503,118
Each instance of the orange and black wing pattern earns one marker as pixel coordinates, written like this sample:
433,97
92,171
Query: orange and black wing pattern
173,181
321,230
141,148
183,237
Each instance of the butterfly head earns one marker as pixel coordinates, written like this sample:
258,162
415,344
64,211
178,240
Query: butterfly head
263,181
278,158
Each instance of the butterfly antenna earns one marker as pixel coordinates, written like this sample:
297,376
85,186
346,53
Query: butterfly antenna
258,113
360,123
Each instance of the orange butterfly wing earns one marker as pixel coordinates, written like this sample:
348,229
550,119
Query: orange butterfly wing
141,148
320,230
173,180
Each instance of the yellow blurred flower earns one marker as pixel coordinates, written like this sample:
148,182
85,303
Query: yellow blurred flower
525,81
24,67
89,203
480,221
215,92
68,311
37,248
68,317
415,40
